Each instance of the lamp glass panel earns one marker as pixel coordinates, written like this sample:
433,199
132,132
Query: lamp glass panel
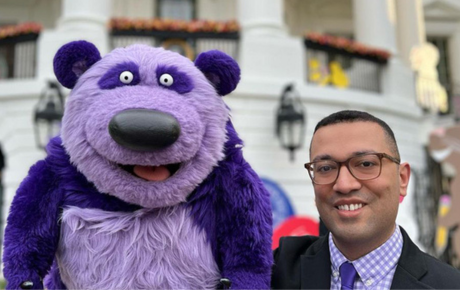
46,130
291,134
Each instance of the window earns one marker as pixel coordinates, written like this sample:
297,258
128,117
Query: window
176,9
6,57
443,65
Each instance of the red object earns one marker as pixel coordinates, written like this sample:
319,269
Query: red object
295,226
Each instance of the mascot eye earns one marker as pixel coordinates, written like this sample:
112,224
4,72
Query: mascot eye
126,77
166,80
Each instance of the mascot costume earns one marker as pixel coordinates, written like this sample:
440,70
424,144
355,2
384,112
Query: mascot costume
147,187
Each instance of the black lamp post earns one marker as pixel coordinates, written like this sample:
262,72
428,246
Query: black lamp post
290,120
48,114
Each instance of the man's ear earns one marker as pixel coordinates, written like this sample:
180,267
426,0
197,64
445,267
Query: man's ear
220,69
404,176
72,60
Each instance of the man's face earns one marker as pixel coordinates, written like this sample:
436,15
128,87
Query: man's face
372,223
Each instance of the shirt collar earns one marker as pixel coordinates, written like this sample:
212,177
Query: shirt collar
376,264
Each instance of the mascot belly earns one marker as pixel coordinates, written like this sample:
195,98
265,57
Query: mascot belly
156,247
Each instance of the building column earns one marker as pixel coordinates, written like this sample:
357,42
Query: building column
261,17
267,53
80,20
375,25
453,49
84,14
411,27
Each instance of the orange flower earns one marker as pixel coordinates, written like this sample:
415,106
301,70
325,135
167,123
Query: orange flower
347,45
20,29
157,24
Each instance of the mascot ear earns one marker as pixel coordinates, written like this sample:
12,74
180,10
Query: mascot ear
72,60
220,69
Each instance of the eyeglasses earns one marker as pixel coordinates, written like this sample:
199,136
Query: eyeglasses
363,167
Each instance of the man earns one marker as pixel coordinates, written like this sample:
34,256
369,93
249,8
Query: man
358,180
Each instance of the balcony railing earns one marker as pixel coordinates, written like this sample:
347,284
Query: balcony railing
344,64
187,38
18,50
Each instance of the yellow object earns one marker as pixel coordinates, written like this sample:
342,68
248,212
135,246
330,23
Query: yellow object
442,233
187,50
337,76
314,68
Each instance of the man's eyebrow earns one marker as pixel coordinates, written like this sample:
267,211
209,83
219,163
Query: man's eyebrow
362,152
329,157
322,157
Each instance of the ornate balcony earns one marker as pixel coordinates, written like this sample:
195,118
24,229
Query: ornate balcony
186,37
18,50
343,63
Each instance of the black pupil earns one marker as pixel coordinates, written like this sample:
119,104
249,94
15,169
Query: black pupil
165,80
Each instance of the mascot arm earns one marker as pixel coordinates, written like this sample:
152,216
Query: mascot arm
245,230
32,231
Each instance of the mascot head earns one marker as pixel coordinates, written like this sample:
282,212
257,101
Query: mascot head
144,124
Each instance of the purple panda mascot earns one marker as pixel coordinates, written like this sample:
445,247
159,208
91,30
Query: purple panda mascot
147,187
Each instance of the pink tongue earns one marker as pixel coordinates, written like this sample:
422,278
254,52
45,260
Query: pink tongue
152,173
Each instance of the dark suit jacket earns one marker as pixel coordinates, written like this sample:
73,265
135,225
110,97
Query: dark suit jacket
304,263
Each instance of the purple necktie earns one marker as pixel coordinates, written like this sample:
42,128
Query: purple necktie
347,274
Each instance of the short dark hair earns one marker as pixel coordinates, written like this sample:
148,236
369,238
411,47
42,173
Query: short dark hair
351,116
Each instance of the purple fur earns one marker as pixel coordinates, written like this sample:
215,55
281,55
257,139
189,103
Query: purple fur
182,83
32,231
200,113
111,79
146,249
242,211
220,69
78,191
206,208
53,279
223,204
72,60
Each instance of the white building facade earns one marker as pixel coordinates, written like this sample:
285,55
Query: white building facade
272,53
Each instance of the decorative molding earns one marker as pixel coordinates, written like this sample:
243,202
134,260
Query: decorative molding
175,34
442,10
167,27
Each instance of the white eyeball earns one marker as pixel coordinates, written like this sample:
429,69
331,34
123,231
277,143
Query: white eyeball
126,77
166,80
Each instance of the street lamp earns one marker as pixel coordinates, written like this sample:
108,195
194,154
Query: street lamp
48,114
290,120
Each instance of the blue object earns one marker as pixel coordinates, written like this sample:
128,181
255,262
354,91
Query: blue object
281,206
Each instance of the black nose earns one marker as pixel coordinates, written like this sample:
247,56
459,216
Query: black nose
144,130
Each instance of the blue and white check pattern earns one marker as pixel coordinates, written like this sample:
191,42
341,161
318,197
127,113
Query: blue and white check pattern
375,270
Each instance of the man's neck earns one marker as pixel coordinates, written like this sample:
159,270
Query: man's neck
354,250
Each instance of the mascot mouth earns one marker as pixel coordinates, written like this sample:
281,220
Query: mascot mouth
152,173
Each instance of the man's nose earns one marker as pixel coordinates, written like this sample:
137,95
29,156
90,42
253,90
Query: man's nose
346,182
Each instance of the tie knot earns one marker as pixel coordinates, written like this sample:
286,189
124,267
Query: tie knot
347,274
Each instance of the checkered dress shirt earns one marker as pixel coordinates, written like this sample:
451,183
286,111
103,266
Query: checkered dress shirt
375,270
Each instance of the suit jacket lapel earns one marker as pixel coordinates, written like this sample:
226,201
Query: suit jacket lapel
315,266
411,267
